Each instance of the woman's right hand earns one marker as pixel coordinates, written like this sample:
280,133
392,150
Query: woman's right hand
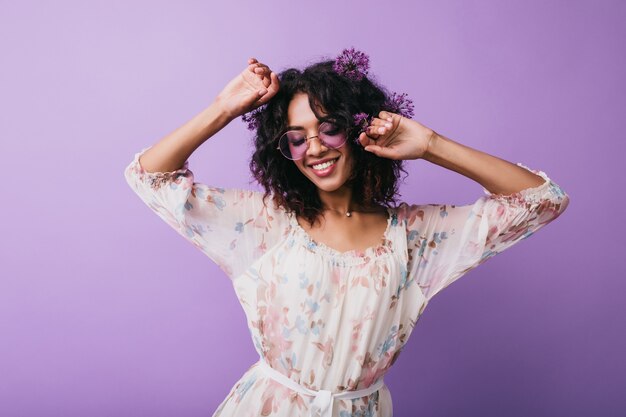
252,88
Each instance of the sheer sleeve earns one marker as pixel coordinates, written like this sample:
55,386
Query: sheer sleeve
232,227
446,241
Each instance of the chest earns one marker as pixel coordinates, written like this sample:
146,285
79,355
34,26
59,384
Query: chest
301,285
301,277
299,268
345,235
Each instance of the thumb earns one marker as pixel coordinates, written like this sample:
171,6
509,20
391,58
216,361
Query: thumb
381,151
266,93
253,99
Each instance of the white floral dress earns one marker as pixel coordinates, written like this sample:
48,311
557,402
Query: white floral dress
331,320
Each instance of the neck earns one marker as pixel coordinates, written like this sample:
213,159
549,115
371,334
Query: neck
339,200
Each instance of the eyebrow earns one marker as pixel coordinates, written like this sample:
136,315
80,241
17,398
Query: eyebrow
323,119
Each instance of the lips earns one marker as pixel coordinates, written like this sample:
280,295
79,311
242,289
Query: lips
321,161
325,171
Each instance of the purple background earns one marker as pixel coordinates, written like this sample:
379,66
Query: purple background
106,311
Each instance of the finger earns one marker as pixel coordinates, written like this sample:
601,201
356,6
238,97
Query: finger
386,115
379,122
389,118
375,149
371,133
262,71
252,63
257,67
366,140
267,80
383,152
363,139
380,135
271,90
275,82
378,130
264,74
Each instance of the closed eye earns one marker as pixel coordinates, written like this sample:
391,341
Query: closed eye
296,142
332,132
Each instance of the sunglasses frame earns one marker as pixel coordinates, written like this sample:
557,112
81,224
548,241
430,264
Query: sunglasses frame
307,139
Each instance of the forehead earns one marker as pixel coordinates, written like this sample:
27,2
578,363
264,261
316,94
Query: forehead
299,111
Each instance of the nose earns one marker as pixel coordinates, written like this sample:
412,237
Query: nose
316,147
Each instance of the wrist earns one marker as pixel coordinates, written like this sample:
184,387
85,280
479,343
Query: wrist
222,112
432,143
214,118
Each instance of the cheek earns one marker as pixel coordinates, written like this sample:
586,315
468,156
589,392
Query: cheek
299,165
350,170
348,162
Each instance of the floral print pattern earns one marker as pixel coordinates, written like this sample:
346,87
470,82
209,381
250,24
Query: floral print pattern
327,319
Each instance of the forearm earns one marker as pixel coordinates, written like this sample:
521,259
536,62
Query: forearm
495,174
173,150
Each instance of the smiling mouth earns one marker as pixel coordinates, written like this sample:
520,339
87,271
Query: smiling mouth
324,165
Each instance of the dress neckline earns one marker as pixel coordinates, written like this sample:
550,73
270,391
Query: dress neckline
359,255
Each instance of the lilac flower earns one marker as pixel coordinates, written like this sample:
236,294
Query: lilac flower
252,118
352,63
360,119
400,104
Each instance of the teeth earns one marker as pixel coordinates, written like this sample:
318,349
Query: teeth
324,165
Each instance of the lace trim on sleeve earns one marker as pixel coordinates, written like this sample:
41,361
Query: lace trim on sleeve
530,195
156,179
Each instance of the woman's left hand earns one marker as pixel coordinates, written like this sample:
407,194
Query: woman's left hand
393,136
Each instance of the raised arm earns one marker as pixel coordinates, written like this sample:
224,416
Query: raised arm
253,87
445,241
231,226
171,152
496,175
395,137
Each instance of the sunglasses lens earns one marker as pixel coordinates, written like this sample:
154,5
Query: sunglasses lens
293,144
332,136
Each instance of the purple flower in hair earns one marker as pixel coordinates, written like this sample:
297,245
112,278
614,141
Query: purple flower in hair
360,120
400,104
352,63
252,118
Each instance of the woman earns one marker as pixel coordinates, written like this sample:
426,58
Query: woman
331,273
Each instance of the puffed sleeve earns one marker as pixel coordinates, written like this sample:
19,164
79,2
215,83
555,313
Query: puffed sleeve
232,227
445,241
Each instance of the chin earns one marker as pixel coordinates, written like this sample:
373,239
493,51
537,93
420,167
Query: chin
325,181
327,187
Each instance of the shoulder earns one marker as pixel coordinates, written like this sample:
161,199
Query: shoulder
266,207
249,201
410,214
254,197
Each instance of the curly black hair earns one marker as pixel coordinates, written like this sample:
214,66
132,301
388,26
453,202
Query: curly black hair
374,179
